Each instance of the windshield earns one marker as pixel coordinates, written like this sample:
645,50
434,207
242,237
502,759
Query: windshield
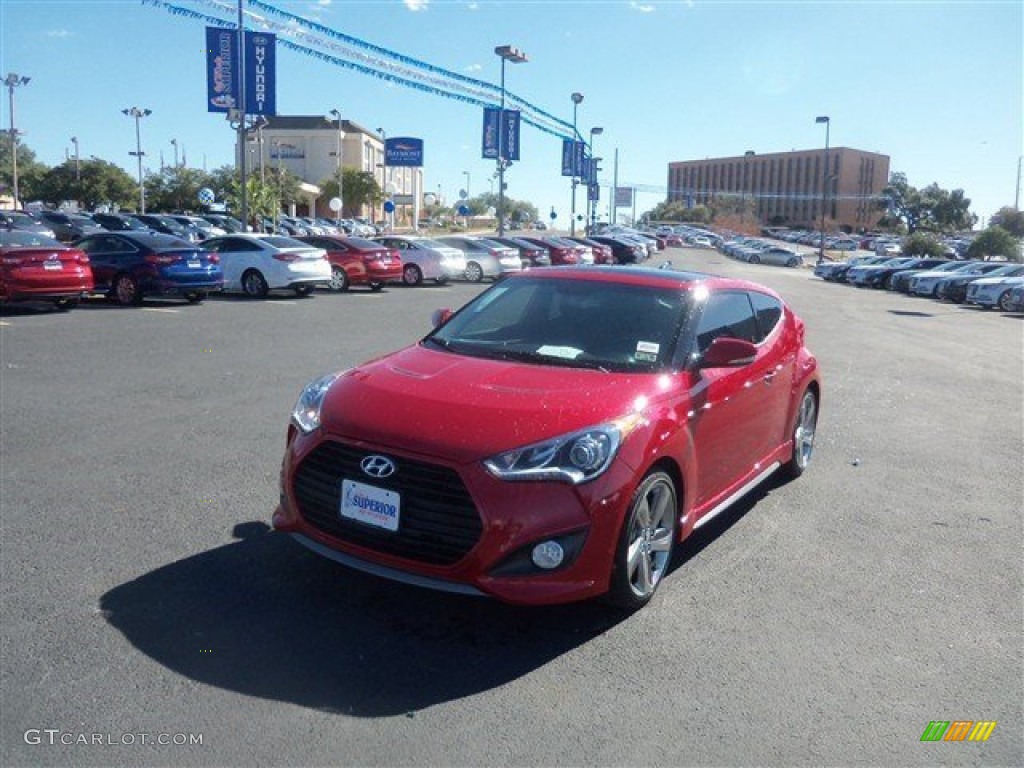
569,322
24,238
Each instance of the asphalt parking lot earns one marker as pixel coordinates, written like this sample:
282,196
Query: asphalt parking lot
826,621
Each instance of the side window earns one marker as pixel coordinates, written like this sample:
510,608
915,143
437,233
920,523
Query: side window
768,311
726,314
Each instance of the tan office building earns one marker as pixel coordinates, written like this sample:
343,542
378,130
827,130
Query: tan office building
786,187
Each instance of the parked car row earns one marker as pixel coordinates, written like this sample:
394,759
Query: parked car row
754,250
986,284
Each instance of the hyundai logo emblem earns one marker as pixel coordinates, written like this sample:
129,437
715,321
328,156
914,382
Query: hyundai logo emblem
377,466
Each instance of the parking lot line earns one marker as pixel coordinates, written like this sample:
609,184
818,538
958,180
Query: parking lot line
278,302
4,323
159,309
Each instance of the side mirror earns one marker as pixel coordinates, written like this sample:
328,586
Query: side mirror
725,352
440,317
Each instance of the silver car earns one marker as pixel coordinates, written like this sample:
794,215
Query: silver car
426,259
777,255
484,258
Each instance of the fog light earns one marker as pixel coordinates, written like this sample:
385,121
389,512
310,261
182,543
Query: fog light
547,555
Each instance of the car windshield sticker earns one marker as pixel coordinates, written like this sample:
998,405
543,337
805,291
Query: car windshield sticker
567,353
647,350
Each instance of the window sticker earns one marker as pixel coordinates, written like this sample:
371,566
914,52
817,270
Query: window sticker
647,351
566,353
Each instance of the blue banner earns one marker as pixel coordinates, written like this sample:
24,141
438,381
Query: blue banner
490,133
593,192
222,71
511,137
493,144
403,152
567,157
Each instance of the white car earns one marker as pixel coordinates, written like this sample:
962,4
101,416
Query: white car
989,292
257,264
426,259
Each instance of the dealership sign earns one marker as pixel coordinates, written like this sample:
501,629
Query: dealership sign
403,151
222,72
492,134
573,153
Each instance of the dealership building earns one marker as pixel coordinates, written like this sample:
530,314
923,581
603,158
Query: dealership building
310,147
786,187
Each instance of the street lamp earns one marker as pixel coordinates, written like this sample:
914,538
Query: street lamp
341,193
513,54
591,204
78,172
12,81
576,99
466,174
138,114
745,183
174,143
824,187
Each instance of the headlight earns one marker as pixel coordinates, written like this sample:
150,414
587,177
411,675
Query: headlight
575,458
306,413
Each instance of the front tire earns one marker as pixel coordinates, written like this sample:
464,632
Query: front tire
646,542
474,272
411,275
126,291
794,262
339,280
255,285
755,259
1004,301
803,435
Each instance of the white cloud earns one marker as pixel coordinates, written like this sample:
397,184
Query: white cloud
473,6
323,2
642,7
416,5
58,33
474,68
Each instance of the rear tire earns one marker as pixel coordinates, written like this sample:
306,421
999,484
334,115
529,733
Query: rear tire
255,285
803,435
339,280
474,272
411,275
794,262
755,259
646,542
1004,301
126,291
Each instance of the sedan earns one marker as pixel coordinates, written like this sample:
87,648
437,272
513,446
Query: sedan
258,264
165,225
22,221
67,226
355,261
989,292
556,438
484,257
423,258
128,266
836,270
116,222
38,268
954,287
603,253
776,254
876,274
623,251
901,280
530,254
1015,301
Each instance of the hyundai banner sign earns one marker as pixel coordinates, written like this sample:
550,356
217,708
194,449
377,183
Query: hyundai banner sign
403,152
492,130
222,71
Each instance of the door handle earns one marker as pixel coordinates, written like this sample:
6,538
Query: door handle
769,377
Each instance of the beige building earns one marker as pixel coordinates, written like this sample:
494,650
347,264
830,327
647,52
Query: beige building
310,146
786,187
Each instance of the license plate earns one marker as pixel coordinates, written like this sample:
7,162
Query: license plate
52,265
368,504
195,264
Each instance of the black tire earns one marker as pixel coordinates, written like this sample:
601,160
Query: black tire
803,435
793,262
196,297
474,272
255,285
64,305
412,275
339,279
755,259
1004,301
126,291
302,291
649,532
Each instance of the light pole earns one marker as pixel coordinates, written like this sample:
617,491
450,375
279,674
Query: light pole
591,204
138,114
12,81
384,172
513,54
824,187
341,192
466,174
746,183
78,171
576,99
174,143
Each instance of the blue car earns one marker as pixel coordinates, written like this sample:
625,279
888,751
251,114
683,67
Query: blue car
127,266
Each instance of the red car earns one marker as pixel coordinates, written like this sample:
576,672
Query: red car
559,253
38,268
355,261
556,437
603,254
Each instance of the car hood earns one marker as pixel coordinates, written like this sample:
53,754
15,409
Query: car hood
983,281
467,409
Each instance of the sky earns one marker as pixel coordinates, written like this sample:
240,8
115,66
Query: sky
936,86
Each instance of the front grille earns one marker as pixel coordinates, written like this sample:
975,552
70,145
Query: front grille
438,523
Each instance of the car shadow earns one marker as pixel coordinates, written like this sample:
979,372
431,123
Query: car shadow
264,617
909,313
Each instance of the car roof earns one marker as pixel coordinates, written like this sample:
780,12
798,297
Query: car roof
665,277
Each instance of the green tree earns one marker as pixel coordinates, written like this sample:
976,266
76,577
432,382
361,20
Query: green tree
30,171
283,185
1010,219
995,241
923,244
175,188
98,183
360,189
932,208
